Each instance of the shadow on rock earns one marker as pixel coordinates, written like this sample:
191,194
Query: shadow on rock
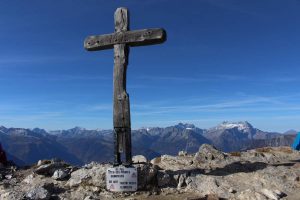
238,167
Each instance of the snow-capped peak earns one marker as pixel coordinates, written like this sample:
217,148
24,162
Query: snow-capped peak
239,125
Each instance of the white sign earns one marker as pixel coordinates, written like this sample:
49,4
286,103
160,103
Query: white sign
121,179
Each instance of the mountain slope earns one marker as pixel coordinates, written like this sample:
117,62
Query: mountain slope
79,145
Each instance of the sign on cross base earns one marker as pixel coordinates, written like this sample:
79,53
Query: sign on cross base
120,41
120,179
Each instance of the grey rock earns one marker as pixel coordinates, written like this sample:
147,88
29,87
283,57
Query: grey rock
49,169
181,180
93,176
271,194
60,174
38,193
208,153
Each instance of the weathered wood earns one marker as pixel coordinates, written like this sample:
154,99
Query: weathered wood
121,115
132,38
120,40
121,98
121,19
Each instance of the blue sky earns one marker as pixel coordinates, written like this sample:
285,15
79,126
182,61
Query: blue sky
223,60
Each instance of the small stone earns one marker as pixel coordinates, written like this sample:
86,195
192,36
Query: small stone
60,174
9,176
231,190
43,162
38,193
181,180
279,193
270,194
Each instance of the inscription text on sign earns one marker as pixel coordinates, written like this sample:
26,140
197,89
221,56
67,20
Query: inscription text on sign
121,179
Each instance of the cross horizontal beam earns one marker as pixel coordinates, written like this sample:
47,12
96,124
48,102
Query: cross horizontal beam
132,38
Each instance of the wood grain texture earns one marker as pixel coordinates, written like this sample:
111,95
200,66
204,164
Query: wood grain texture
120,41
121,116
132,38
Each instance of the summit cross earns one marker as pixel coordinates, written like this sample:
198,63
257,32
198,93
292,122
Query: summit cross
120,41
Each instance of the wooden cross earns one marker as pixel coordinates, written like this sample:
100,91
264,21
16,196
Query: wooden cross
120,40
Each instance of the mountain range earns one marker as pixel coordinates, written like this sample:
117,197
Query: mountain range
78,145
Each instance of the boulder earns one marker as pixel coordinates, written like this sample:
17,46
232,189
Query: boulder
91,175
49,168
208,153
38,193
139,159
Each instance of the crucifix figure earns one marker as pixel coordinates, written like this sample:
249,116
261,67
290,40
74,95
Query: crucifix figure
120,41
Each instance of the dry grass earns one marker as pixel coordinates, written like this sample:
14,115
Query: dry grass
264,150
237,154
283,149
286,149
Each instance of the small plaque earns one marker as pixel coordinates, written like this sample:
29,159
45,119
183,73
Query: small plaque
121,179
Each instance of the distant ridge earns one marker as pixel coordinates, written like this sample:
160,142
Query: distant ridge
79,145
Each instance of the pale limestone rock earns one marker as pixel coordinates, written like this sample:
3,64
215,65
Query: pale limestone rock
181,180
271,194
208,153
94,176
139,159
155,161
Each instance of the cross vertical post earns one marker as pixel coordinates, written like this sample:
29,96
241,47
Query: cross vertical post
121,112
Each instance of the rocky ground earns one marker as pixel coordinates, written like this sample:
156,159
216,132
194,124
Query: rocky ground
265,173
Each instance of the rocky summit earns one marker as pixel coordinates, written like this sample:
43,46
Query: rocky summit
262,174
